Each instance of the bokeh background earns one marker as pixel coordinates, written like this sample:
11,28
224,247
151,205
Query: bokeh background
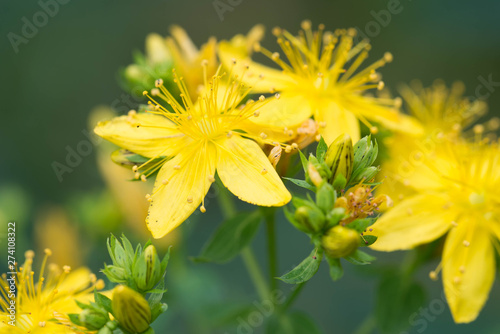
49,87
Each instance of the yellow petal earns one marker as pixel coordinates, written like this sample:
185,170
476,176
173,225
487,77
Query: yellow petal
270,80
145,134
414,221
468,272
180,187
288,110
246,171
338,121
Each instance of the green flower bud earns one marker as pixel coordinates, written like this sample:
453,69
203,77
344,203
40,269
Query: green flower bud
147,269
340,241
131,309
115,274
311,218
105,330
339,157
93,319
366,174
325,197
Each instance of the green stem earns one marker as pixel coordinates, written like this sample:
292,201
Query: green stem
269,216
229,210
255,273
367,326
291,299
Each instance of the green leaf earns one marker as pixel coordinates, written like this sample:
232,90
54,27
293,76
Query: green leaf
361,225
103,301
74,319
336,270
230,238
360,258
301,183
128,248
165,260
321,149
305,270
397,300
304,161
367,240
296,322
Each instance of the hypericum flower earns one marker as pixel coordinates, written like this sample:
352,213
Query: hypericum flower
193,142
456,192
360,203
178,51
442,113
41,307
322,79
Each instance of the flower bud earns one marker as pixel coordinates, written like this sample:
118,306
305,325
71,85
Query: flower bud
314,175
340,241
325,197
147,269
131,309
115,274
339,157
366,174
311,218
93,319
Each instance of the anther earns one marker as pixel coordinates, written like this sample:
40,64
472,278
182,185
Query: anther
211,178
204,62
277,96
135,168
132,112
478,129
177,167
67,269
137,176
203,209
145,92
380,85
158,82
433,275
264,171
190,199
288,149
374,130
143,178
164,182
256,113
276,31
275,56
155,92
229,134
47,252
388,57
41,324
466,243
262,98
295,146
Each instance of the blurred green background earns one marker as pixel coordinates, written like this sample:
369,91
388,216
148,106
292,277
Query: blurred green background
71,65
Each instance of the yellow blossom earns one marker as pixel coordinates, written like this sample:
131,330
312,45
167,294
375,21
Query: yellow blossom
321,78
193,142
455,193
443,113
42,306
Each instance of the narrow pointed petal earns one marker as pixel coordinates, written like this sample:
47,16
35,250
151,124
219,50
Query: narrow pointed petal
416,220
468,272
246,171
180,187
337,121
270,79
145,134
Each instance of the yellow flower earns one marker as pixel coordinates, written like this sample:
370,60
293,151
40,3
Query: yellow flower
322,79
443,113
456,191
193,142
178,51
42,307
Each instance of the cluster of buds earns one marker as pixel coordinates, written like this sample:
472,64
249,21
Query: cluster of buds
344,206
139,272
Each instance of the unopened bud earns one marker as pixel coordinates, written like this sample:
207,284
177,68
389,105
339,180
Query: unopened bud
147,269
93,319
311,218
340,241
339,158
314,175
131,309
366,174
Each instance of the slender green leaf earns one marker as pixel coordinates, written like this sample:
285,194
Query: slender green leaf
360,258
305,270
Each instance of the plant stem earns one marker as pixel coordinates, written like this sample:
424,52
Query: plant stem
255,273
229,210
367,326
269,216
291,299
